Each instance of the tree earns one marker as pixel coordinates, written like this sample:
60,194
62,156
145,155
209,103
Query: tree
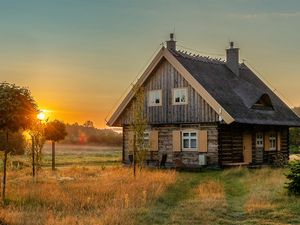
37,141
293,176
17,111
139,126
89,123
54,132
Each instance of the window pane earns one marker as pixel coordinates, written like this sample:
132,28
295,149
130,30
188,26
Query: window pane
186,143
193,143
180,95
154,97
193,134
185,134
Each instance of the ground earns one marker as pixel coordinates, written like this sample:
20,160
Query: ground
91,187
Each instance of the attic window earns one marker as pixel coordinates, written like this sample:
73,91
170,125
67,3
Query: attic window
154,98
264,102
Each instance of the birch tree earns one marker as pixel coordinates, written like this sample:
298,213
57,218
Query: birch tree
139,126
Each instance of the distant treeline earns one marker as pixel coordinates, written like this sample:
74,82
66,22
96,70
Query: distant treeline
88,134
295,136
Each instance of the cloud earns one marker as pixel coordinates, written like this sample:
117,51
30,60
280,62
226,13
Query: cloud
264,15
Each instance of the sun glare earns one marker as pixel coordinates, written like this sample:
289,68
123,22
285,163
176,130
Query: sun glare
42,115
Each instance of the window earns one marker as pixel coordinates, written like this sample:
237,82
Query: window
154,98
259,140
264,102
272,141
189,140
144,140
179,96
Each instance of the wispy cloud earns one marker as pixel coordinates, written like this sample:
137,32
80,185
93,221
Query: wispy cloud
263,15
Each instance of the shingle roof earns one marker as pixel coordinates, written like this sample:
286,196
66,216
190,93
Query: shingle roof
237,94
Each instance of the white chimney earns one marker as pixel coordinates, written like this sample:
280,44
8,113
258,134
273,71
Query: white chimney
171,44
232,58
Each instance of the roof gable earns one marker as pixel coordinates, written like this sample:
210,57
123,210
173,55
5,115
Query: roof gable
166,54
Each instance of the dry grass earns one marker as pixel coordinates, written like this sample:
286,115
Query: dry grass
211,193
263,186
81,195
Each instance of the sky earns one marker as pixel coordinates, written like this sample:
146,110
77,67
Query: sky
78,57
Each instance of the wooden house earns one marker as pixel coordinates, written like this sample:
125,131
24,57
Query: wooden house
202,111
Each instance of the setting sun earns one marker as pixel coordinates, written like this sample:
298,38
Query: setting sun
42,115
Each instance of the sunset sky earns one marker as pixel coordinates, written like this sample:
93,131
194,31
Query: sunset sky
79,56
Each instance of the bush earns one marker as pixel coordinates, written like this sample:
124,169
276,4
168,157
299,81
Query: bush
294,149
294,177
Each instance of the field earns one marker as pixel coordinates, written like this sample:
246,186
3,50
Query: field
91,187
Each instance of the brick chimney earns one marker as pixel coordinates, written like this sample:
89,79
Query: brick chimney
171,44
232,58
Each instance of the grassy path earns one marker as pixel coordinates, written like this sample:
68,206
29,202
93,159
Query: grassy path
229,197
160,212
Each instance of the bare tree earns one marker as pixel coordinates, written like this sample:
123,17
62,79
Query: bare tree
37,141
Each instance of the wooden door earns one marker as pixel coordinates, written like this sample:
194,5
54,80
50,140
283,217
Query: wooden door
247,146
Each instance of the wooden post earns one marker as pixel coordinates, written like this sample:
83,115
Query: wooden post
33,158
4,168
53,155
134,155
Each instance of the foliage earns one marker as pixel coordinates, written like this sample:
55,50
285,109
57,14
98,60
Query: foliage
83,134
294,137
55,131
36,142
17,107
294,177
17,142
139,125
294,149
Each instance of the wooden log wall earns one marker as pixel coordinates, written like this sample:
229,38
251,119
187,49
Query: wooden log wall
165,144
230,144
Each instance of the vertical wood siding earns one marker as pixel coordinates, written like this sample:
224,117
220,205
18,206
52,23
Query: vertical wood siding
165,77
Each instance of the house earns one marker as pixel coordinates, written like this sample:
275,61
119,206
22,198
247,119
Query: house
202,110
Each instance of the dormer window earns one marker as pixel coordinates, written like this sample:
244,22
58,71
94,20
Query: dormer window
264,102
155,98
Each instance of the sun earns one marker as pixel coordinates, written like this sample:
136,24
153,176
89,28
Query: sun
42,115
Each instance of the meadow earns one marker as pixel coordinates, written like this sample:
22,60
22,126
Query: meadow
91,186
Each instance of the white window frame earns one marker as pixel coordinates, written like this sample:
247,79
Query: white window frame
272,141
186,96
160,98
147,139
259,140
189,137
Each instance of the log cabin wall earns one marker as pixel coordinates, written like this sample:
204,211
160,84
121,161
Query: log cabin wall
165,144
231,143
165,78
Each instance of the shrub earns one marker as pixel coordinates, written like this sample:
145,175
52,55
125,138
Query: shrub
294,177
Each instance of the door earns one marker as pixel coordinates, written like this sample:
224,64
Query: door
247,146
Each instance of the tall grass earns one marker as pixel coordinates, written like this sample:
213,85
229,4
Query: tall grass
81,195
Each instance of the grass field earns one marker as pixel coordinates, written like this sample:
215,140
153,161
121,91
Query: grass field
107,193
